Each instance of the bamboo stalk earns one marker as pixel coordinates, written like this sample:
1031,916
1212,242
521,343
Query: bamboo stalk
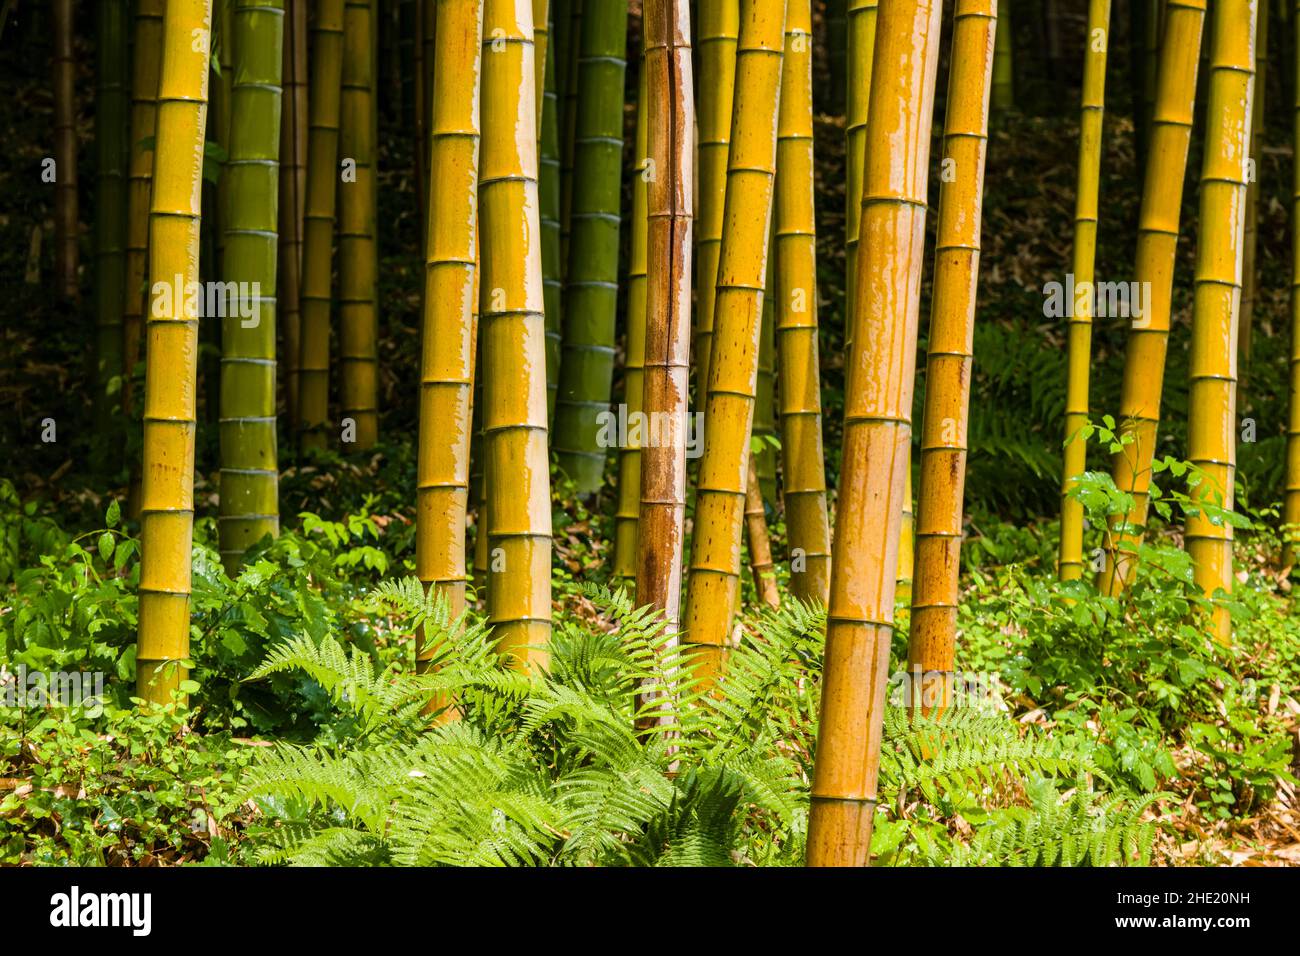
1083,268
552,265
324,96
1291,502
569,125
862,40
628,505
1245,322
1212,393
293,195
933,623
591,287
733,370
765,384
1158,222
66,219
877,426
358,259
447,363
111,149
719,28
167,492
514,340
146,66
669,223
761,568
803,474
249,461
1003,96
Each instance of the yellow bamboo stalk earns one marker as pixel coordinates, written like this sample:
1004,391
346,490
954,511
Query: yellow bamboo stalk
293,195
669,224
1291,505
877,430
862,42
803,474
733,370
514,340
1212,394
719,28
933,624
1158,221
1245,323
318,225
1083,265
628,506
146,67
447,364
167,492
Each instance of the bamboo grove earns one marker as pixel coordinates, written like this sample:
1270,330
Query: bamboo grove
623,262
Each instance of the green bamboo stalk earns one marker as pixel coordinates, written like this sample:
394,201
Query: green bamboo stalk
110,215
587,363
358,262
552,264
323,93
249,470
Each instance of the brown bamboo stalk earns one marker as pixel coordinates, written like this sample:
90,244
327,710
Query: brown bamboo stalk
669,225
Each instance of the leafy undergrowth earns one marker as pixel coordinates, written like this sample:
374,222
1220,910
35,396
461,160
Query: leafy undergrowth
1108,729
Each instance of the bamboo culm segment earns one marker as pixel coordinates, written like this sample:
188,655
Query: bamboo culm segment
111,146
1083,267
628,506
719,28
324,95
167,490
293,197
933,623
249,462
877,430
513,332
1212,392
1158,223
591,286
669,225
803,474
447,355
358,262
714,583
1291,506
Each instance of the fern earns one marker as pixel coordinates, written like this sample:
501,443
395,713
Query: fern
552,769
